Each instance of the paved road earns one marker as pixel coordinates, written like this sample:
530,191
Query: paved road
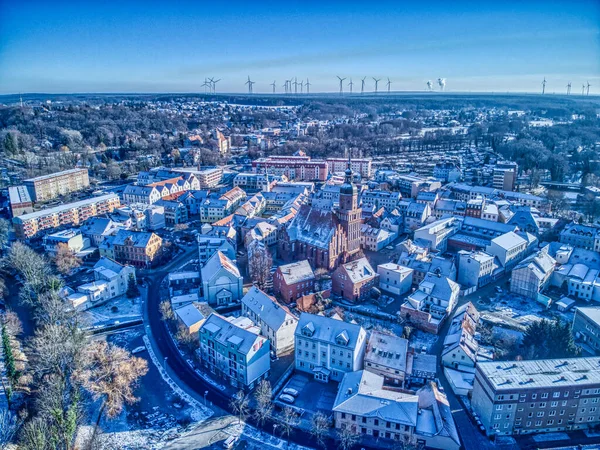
471,437
177,368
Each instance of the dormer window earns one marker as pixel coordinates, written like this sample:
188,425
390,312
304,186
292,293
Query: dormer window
342,338
308,329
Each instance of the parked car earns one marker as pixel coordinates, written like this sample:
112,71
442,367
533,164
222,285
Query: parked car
287,398
291,391
229,442
498,289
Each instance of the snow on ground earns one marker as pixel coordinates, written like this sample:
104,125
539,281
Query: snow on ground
547,437
419,339
201,413
126,309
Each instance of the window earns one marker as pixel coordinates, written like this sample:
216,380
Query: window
545,395
556,395
533,396
554,404
498,407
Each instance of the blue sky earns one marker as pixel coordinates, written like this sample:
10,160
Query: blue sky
58,46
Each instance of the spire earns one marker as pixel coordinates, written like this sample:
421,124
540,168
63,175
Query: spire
349,171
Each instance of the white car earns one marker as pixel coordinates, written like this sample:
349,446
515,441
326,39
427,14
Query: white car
291,391
287,398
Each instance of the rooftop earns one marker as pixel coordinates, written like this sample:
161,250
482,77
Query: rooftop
545,373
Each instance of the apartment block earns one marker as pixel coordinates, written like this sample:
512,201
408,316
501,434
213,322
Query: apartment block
299,168
233,349
54,185
28,225
328,347
551,395
362,166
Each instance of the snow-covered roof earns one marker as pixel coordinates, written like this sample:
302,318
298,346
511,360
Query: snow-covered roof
362,393
359,270
189,315
266,308
297,272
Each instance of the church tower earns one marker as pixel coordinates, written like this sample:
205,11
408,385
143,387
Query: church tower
349,213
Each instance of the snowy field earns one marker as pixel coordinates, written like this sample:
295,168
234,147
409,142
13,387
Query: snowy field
126,309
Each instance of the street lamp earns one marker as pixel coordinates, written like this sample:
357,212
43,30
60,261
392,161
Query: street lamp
274,428
205,394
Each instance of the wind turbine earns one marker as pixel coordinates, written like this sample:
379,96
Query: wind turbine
284,86
295,83
249,83
301,86
442,83
376,83
214,83
351,84
362,85
341,84
205,85
569,88
210,84
273,84
588,88
389,84
307,86
429,85
544,86
583,89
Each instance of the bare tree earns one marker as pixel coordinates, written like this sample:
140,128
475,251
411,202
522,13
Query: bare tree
319,426
12,323
186,338
4,231
259,265
239,404
35,435
347,437
166,311
112,373
289,421
33,267
8,427
65,259
264,403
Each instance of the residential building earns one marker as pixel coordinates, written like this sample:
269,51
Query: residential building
328,347
97,229
292,281
376,239
140,249
355,280
233,349
430,304
416,215
379,199
28,225
447,172
586,329
505,175
537,396
72,239
298,168
275,321
366,407
394,278
20,200
462,350
386,355
509,248
256,182
362,166
222,283
582,236
475,268
56,184
191,316
111,280
532,275
436,234
209,244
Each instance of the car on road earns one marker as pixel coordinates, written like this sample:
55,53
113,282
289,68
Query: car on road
498,289
291,391
287,398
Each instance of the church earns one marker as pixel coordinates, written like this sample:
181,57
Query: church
324,237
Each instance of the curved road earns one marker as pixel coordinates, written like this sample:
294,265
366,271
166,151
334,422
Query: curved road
164,346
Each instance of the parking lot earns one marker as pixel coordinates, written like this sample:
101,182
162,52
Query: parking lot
313,396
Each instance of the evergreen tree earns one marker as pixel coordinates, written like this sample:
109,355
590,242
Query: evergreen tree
549,340
132,289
